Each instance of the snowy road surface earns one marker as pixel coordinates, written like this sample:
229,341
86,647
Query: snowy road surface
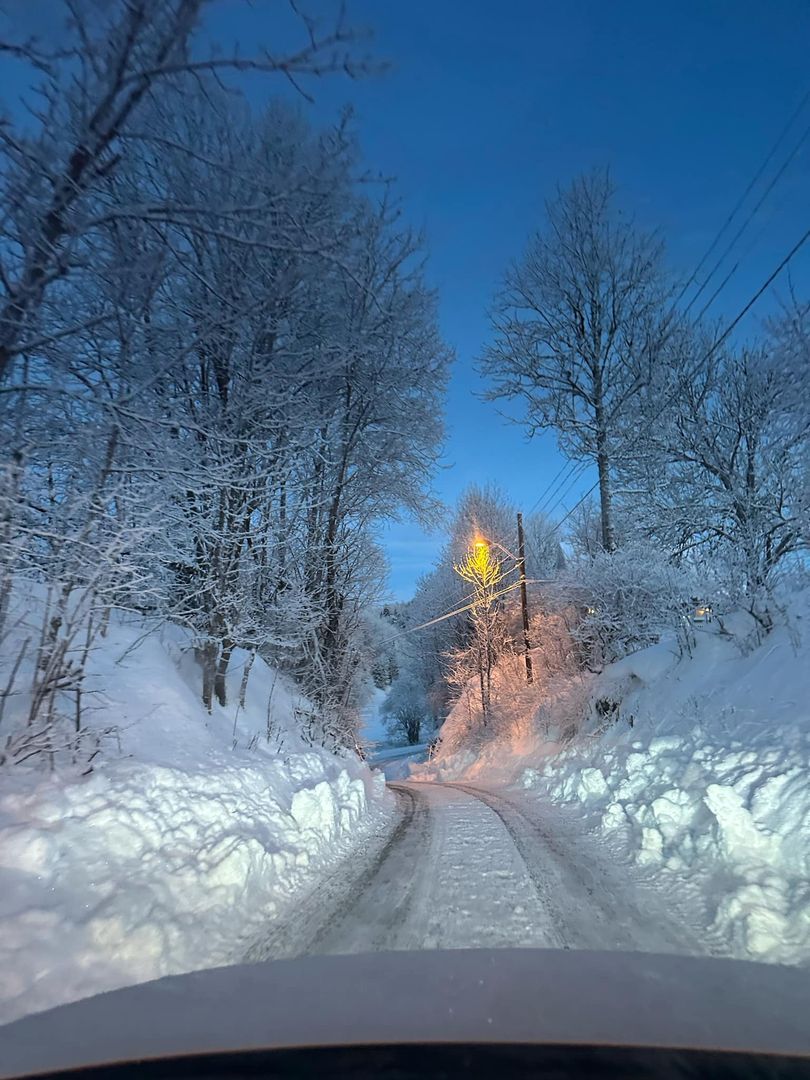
464,867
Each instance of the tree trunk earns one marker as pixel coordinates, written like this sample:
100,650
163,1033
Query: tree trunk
207,656
245,676
605,497
220,689
413,729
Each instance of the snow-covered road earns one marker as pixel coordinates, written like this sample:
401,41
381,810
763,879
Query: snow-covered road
465,867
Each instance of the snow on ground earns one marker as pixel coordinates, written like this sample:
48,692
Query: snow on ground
709,789
191,832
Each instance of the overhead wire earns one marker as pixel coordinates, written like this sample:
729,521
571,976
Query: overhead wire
703,360
740,259
458,611
750,187
729,247
546,493
553,486
564,495
574,471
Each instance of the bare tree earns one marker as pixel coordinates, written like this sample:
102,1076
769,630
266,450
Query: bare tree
789,345
584,529
406,709
545,556
723,477
579,323
622,601
211,411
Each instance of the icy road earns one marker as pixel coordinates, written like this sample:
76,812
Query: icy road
464,868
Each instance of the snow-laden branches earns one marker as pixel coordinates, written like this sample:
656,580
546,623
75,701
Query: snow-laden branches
720,475
105,93
216,406
703,451
579,322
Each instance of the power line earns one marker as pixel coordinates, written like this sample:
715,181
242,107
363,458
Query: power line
449,614
733,270
741,201
458,611
780,172
564,495
690,375
571,467
544,494
548,493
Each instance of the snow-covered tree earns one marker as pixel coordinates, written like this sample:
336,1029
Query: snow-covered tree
788,344
240,378
544,554
619,602
99,90
483,570
406,709
722,476
482,511
579,323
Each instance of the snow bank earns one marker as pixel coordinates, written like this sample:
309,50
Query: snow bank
711,781
143,871
191,833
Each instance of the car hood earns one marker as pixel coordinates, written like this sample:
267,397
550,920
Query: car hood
459,996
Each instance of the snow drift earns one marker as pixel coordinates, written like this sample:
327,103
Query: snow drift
712,778
697,769
192,832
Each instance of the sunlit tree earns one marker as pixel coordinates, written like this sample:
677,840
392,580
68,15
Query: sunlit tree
482,569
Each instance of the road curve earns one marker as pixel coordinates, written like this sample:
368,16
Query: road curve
466,867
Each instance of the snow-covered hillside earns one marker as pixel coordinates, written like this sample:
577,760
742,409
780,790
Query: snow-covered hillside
697,769
191,831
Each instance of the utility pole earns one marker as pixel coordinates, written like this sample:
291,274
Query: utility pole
524,600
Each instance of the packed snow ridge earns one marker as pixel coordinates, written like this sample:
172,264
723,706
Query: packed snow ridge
181,842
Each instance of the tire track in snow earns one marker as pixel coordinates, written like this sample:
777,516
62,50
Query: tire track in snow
465,867
538,879
592,905
308,926
454,879
372,918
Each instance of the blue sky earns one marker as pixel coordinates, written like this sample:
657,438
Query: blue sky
489,105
